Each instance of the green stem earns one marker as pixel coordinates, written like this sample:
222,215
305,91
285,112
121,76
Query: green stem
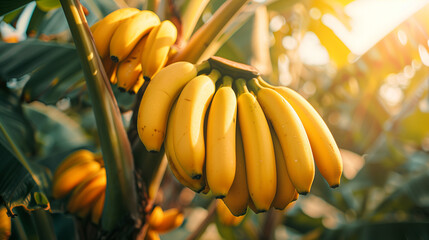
121,196
254,85
227,81
200,41
240,86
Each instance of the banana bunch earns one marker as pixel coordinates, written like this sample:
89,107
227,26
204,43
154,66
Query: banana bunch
161,221
82,176
227,131
133,45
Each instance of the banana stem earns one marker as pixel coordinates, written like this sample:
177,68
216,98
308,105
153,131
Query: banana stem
204,37
214,75
254,85
240,86
227,81
121,196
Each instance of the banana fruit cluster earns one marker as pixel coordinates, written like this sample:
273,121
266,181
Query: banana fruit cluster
81,177
133,45
227,131
161,221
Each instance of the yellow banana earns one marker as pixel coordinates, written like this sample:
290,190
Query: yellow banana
139,84
258,148
129,33
109,67
225,216
94,26
152,235
285,190
172,219
79,156
325,150
130,68
72,177
291,134
155,53
156,103
197,185
86,193
156,216
221,124
188,131
97,210
104,29
5,224
238,195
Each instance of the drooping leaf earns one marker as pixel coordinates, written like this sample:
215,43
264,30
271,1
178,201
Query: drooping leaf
22,182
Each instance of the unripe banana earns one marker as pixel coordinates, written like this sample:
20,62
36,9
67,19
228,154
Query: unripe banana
238,195
286,192
155,54
87,192
72,177
172,219
97,210
156,103
188,131
225,216
221,129
258,148
325,150
105,28
129,33
197,185
76,157
130,68
291,134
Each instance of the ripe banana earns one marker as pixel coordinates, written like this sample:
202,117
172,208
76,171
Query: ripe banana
129,33
156,103
152,235
110,68
72,177
130,68
258,148
87,192
238,195
225,216
221,129
76,157
197,185
155,54
188,131
5,224
97,210
156,216
139,84
105,28
291,134
171,219
325,150
285,190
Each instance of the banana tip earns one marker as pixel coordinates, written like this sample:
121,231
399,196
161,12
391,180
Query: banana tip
335,185
196,176
221,196
303,193
146,78
114,59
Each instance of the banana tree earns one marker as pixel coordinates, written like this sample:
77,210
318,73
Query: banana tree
57,98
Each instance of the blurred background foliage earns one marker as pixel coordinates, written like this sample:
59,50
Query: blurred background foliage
362,65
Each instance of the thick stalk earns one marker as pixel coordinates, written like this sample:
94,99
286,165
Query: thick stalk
209,31
121,197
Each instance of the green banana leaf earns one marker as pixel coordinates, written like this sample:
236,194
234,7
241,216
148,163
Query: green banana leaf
22,181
